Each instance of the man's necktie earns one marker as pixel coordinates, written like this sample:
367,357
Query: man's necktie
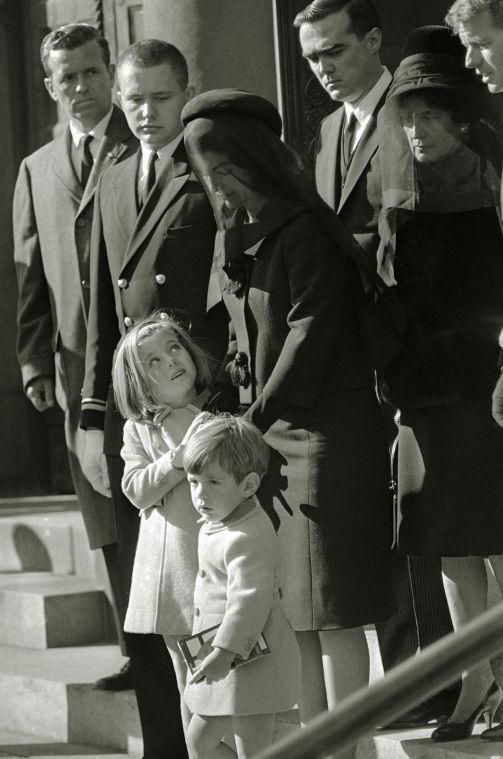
348,137
149,178
86,159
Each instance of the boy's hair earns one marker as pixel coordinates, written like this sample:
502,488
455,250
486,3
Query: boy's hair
70,37
148,53
465,10
234,443
363,15
130,382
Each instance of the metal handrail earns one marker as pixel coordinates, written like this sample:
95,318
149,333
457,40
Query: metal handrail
401,689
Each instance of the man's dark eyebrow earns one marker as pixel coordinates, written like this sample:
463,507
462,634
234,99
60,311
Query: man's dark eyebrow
330,48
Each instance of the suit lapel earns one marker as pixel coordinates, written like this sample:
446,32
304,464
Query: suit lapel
166,188
62,166
112,147
124,195
365,149
327,171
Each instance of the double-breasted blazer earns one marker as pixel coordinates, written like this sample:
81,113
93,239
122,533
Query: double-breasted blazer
52,218
358,200
144,259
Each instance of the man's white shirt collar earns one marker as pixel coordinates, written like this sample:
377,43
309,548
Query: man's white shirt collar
97,133
164,154
364,110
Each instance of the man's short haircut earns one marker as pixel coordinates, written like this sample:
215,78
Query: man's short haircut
148,53
465,10
362,14
68,38
230,441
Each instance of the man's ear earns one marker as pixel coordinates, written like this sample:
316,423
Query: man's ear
374,40
50,88
111,71
250,484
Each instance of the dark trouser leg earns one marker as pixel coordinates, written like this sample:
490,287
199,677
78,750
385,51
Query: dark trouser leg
110,556
398,635
154,678
422,615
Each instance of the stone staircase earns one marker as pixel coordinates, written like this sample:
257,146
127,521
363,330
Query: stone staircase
57,638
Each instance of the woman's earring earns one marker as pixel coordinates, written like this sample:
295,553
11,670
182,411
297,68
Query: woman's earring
464,129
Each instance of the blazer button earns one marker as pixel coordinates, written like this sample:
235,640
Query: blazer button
202,573
128,322
196,611
122,283
160,279
85,284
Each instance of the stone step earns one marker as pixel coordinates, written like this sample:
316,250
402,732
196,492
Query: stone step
42,610
52,541
15,745
417,744
51,693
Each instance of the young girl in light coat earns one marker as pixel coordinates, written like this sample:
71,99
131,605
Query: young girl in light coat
159,377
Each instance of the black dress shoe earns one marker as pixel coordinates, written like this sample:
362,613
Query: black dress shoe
121,680
493,734
420,716
458,731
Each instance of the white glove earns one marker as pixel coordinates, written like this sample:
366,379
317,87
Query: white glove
94,463
40,391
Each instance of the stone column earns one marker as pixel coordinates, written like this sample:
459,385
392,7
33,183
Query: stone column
227,43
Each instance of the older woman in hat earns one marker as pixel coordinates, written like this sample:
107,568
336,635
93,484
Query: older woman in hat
442,243
298,370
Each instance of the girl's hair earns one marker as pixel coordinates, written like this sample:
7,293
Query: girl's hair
131,389
230,441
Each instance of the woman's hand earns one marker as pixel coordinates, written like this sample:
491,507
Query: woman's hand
215,667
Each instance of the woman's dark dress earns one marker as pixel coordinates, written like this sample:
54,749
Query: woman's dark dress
327,487
449,269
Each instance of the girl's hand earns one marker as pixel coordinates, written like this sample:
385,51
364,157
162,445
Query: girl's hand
215,667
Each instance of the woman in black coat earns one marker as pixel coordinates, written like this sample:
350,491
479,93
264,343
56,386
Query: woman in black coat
297,368
442,242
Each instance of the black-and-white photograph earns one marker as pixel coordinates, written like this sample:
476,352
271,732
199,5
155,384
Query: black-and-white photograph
252,390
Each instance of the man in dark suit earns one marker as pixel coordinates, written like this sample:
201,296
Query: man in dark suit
53,210
341,41
480,28
152,247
